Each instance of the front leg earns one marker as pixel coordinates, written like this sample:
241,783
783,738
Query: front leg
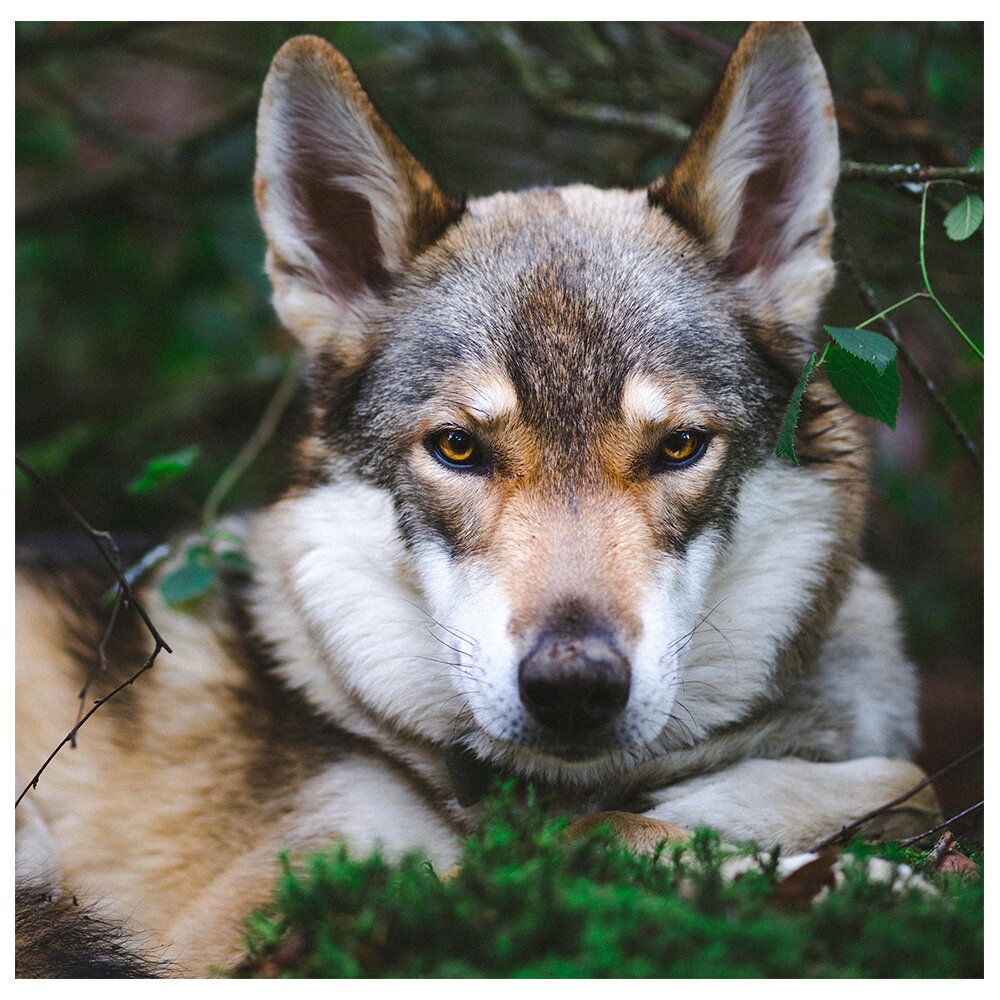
796,803
640,834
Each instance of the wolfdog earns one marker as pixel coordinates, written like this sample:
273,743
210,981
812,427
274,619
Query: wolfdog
538,530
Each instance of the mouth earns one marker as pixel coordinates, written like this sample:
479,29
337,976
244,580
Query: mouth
532,751
580,748
476,761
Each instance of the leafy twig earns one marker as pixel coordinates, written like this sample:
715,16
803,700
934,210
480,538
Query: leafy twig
867,295
927,283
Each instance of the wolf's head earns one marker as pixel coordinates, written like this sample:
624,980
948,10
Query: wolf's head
540,477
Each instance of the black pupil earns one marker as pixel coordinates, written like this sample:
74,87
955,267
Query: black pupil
457,444
680,442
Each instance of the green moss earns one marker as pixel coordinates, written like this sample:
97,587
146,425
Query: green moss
527,902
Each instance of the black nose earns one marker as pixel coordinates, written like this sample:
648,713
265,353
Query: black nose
574,683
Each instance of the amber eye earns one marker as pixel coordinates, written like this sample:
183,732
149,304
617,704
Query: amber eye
456,448
681,448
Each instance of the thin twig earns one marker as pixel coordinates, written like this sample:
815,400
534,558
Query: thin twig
941,826
916,369
248,453
102,653
927,281
848,828
100,539
105,545
608,116
70,737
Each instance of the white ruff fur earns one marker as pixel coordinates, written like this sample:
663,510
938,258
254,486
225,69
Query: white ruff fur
331,564
423,642
784,535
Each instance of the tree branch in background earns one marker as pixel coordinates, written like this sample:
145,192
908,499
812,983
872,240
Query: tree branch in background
217,62
916,369
125,596
911,173
551,104
75,40
161,164
706,42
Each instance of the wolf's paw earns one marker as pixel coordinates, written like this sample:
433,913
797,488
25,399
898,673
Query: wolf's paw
639,833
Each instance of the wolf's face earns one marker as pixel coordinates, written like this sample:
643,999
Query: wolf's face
543,421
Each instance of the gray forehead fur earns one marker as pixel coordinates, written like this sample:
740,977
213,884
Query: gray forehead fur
569,291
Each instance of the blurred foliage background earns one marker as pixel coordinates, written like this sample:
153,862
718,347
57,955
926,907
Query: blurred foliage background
143,323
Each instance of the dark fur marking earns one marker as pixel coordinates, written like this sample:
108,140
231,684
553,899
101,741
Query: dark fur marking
287,736
335,390
78,582
432,216
56,939
290,737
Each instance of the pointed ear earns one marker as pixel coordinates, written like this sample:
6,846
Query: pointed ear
344,205
756,181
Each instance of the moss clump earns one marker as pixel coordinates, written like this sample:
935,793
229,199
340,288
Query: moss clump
529,902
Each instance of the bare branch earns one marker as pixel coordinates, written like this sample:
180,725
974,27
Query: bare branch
105,545
941,826
908,173
70,737
550,103
218,62
841,835
102,653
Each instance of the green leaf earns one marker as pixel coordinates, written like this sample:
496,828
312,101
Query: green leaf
976,160
164,469
862,387
865,344
786,436
232,559
187,583
199,553
965,218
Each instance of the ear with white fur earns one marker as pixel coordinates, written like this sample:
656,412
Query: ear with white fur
343,203
756,181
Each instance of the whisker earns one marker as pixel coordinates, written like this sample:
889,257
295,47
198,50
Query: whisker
457,633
